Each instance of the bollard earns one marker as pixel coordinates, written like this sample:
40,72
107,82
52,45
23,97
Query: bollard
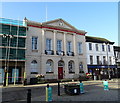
29,96
48,93
58,88
105,83
81,87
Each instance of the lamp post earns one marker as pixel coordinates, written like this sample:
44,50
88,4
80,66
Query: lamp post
116,59
8,42
108,60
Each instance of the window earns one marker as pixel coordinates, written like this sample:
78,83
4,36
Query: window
110,59
59,45
90,46
98,61
103,48
34,43
79,47
108,48
61,63
96,45
104,60
91,59
34,67
81,68
48,44
69,46
49,66
71,67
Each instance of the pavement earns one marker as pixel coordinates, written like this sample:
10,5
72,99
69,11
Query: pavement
93,91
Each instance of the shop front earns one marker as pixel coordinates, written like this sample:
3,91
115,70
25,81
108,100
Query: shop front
100,72
14,75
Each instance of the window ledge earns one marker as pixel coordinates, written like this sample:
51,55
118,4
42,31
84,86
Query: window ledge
71,72
34,50
49,72
34,72
80,54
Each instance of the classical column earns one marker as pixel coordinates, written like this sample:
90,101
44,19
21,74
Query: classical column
54,41
43,41
64,43
74,43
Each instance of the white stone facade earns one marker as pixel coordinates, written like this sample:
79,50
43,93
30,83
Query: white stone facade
100,53
54,31
100,58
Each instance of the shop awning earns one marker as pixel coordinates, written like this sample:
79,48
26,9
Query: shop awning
102,66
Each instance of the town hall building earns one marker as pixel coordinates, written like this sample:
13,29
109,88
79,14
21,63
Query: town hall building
55,49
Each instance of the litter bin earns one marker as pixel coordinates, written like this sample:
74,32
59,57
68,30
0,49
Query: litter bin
72,89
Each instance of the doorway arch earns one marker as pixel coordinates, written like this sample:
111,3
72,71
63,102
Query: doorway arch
61,69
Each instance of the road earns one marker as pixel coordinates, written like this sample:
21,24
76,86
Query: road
93,92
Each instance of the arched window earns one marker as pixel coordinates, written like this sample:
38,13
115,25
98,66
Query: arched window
81,68
34,67
49,66
61,63
71,66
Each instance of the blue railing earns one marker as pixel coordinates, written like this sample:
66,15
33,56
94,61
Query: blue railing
12,22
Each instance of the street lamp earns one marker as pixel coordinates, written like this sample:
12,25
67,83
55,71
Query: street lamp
107,60
8,37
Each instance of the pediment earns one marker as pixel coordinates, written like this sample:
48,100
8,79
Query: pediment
59,23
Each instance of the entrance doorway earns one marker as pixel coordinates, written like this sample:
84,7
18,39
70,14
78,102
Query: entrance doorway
60,69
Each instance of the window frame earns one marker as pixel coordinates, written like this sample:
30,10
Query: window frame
49,69
90,46
103,47
48,44
59,45
71,66
79,47
34,67
69,46
34,43
91,59
109,48
97,47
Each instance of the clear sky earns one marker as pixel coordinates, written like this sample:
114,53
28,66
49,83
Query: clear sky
99,19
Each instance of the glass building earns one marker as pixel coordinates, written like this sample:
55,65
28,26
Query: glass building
12,50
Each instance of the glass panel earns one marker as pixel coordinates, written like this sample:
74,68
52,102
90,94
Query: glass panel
15,75
1,75
71,66
13,22
34,43
49,66
69,46
48,44
90,46
59,45
79,47
7,28
34,67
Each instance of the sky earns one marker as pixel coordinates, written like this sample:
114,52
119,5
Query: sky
99,19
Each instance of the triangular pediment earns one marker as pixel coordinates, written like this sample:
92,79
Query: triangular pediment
59,23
